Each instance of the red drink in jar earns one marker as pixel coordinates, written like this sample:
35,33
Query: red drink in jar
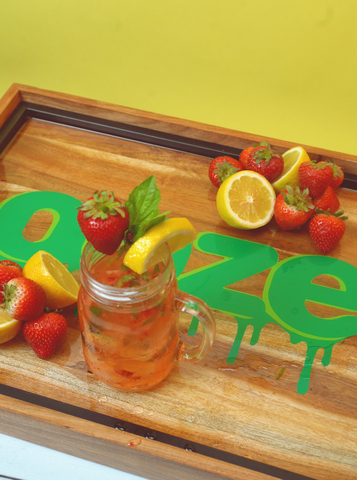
130,322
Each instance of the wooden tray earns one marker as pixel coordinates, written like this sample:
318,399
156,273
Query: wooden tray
242,419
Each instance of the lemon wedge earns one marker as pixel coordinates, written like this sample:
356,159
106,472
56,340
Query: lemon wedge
58,283
293,158
246,200
149,249
9,327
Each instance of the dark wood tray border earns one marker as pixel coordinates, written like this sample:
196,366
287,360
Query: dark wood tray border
25,111
154,435
10,125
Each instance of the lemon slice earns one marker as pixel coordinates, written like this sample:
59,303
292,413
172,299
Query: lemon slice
9,327
58,283
149,249
246,200
293,158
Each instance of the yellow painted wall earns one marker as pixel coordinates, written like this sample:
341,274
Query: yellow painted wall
281,68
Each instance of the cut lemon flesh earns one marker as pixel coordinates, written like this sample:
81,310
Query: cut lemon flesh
246,200
58,283
149,249
9,327
293,158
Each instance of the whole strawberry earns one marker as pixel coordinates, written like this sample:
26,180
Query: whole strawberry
243,157
103,220
10,263
326,230
338,175
267,162
7,272
45,333
221,168
316,176
24,299
293,208
327,201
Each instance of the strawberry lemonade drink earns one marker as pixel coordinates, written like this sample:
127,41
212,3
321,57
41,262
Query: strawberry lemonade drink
130,322
131,344
128,302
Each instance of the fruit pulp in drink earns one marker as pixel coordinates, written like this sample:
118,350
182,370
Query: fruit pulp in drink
129,347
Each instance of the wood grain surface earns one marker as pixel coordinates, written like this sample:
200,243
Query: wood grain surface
240,408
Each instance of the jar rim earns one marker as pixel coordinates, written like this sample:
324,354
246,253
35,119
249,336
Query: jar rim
119,294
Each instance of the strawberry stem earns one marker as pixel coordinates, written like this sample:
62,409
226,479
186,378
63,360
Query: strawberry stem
298,199
224,170
101,206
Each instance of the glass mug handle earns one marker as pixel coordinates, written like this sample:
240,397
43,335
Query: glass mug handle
197,308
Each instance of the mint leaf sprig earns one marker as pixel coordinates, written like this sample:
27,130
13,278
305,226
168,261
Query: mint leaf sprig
143,208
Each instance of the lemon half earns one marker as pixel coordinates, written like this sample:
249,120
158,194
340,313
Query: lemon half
293,158
58,283
9,327
246,200
147,251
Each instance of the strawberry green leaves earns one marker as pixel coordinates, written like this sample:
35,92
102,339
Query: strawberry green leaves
143,209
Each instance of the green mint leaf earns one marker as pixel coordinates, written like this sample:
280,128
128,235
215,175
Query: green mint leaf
96,310
156,220
146,276
150,320
143,208
143,202
139,229
127,278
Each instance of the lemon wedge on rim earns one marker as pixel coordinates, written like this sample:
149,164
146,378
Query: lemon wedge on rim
60,286
293,158
246,200
148,250
9,327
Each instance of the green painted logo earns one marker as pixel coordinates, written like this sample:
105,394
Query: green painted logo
63,238
290,284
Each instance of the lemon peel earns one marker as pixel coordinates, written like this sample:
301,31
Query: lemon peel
149,249
293,158
60,286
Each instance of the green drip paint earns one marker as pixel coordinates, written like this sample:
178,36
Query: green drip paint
289,285
193,327
304,380
243,324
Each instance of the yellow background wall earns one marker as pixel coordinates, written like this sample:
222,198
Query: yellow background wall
280,68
